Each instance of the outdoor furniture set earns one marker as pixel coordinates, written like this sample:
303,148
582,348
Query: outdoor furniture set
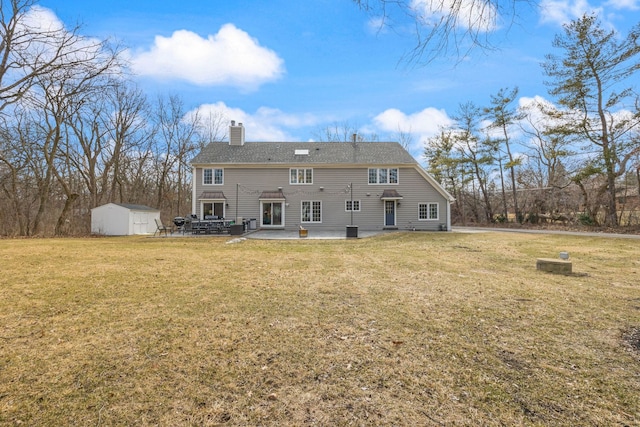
192,224
211,226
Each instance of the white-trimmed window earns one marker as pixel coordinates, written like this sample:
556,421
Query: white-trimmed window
383,175
428,211
301,176
311,211
213,176
350,205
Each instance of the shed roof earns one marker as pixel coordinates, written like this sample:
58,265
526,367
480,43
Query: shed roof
364,153
137,207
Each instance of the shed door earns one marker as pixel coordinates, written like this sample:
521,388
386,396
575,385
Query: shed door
140,223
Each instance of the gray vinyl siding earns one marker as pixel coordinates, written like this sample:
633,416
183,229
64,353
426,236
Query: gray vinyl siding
246,184
416,190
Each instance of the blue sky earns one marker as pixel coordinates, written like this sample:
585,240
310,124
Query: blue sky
288,69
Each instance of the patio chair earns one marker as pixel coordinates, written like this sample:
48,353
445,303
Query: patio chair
160,228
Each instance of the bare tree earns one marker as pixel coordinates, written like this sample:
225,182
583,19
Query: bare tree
31,48
129,133
107,126
47,74
444,27
403,137
549,154
20,174
87,143
176,142
343,132
212,127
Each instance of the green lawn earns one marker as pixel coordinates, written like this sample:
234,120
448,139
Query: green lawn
401,329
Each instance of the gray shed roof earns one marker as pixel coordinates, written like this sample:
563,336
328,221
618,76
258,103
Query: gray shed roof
315,153
137,207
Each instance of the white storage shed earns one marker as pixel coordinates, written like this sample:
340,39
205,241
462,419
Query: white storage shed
120,219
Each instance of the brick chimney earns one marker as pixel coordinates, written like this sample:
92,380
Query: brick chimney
236,133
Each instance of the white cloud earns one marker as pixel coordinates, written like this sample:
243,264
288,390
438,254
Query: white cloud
377,25
421,125
563,11
532,107
475,15
266,124
426,122
41,19
280,118
624,4
41,36
230,57
271,124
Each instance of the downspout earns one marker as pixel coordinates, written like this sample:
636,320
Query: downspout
194,182
351,191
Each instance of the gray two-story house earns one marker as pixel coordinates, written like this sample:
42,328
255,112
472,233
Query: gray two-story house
317,185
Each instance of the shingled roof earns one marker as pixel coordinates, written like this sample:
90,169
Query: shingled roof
315,153
137,207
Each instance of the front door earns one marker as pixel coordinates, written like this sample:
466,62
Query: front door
389,213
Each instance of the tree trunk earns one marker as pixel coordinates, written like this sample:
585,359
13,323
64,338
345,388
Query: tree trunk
504,194
62,226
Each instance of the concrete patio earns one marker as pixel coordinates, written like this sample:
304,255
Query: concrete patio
280,234
313,234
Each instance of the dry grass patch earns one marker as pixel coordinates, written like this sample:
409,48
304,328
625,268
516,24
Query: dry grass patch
404,329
